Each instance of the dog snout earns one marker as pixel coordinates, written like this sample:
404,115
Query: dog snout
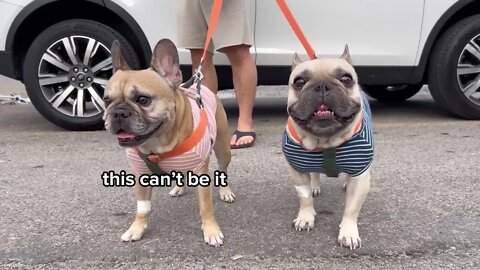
322,86
121,113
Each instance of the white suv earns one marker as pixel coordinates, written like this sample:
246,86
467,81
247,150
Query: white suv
60,49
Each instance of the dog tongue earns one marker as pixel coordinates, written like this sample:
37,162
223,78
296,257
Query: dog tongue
125,135
323,108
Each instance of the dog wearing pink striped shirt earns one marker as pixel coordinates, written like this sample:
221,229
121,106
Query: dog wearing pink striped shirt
151,114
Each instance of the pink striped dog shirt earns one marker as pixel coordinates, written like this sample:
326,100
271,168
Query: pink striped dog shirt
193,159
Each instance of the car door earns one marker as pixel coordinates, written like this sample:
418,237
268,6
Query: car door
378,32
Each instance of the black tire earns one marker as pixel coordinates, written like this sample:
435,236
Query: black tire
442,76
391,94
33,64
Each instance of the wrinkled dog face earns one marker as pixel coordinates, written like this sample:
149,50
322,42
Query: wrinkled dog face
141,104
324,96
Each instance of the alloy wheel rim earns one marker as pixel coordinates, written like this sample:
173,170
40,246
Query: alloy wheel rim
468,70
73,73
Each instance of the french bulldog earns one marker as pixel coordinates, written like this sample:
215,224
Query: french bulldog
328,113
150,113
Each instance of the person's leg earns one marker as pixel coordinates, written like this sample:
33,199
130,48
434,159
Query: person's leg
244,73
208,70
234,37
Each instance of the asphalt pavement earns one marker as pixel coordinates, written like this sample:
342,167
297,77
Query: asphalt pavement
422,211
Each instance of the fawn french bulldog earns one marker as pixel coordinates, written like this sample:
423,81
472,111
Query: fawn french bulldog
329,125
152,115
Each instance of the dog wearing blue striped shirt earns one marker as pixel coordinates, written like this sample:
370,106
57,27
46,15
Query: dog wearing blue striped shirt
329,131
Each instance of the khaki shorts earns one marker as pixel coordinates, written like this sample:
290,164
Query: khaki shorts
233,26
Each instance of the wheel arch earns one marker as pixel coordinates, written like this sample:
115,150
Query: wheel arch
460,10
36,17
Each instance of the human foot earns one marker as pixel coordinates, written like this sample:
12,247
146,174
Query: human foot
242,139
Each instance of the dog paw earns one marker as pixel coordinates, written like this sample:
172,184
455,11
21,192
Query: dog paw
305,220
212,235
315,191
348,236
177,191
135,232
226,194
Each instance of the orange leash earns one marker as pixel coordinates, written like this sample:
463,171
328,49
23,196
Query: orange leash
296,28
212,24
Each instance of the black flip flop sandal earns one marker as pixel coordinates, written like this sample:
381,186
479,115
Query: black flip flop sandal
240,134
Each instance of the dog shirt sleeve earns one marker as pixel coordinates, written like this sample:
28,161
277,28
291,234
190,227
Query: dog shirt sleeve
356,156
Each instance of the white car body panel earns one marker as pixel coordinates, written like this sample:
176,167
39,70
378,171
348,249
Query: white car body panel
8,12
330,24
20,3
158,19
434,9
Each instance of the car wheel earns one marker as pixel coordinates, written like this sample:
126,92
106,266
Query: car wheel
454,71
390,94
66,69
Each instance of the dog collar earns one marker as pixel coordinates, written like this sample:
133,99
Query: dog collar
187,144
296,138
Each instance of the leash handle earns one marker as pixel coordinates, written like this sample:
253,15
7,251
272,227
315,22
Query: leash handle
296,28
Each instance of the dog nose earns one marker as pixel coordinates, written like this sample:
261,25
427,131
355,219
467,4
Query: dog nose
121,112
322,86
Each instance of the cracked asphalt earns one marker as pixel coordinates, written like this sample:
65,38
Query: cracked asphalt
422,211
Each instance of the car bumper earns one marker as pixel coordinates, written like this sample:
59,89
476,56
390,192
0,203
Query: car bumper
6,65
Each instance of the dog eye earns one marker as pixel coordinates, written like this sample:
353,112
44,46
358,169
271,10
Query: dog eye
143,100
299,82
346,79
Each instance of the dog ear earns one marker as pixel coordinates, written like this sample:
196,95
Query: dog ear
296,60
346,55
165,61
118,62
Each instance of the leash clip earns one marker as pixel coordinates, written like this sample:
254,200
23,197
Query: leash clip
198,76
199,73
198,80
